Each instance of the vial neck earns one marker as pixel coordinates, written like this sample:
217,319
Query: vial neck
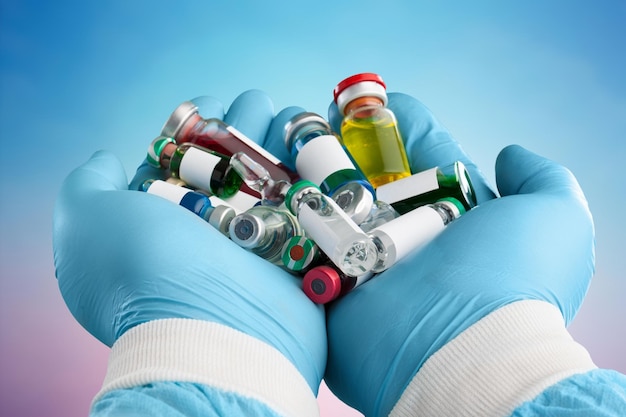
166,155
189,125
362,102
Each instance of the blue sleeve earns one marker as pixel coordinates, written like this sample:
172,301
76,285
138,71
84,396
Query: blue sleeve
173,399
597,393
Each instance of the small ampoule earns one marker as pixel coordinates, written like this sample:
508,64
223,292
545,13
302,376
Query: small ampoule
369,129
256,177
337,235
411,231
300,253
325,283
185,124
218,216
264,230
428,186
321,159
197,166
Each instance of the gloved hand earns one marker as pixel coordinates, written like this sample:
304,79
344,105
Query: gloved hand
535,242
124,258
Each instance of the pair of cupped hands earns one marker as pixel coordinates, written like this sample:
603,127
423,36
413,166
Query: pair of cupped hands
125,257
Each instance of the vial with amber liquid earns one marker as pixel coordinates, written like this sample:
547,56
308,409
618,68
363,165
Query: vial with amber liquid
369,130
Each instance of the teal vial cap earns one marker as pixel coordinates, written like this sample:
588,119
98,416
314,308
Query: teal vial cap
156,148
299,253
296,191
455,203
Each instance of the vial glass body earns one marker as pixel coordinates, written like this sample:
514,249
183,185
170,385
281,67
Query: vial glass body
264,230
187,125
429,186
336,234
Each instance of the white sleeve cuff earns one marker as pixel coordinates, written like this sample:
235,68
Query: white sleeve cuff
505,359
185,350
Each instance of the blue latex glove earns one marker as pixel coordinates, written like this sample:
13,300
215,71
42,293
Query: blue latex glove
125,257
536,242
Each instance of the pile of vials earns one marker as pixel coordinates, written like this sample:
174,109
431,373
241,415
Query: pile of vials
351,209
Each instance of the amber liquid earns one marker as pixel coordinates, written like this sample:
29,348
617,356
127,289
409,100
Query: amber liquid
372,137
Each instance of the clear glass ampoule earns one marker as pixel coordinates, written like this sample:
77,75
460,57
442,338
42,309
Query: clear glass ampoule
409,232
217,215
197,166
325,283
428,186
369,129
321,159
257,178
337,235
185,124
264,230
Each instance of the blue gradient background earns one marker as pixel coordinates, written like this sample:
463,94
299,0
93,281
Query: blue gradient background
77,77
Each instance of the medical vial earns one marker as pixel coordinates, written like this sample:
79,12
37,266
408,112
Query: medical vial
218,216
198,167
185,124
428,186
325,283
321,159
411,231
258,179
369,130
300,253
263,230
336,234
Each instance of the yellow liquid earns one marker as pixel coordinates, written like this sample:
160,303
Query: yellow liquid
376,146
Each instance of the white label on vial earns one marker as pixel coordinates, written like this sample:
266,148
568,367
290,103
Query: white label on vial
252,144
412,230
331,233
408,187
168,191
240,201
196,168
321,157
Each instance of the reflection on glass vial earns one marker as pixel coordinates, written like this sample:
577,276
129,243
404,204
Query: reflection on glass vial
264,230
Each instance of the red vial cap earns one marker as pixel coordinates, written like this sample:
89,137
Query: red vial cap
321,284
357,78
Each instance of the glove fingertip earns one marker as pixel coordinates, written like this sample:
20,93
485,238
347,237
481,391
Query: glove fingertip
103,171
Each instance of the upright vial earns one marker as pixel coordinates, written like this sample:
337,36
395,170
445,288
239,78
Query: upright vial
321,159
185,124
264,230
411,231
337,235
218,216
325,283
198,167
428,186
369,129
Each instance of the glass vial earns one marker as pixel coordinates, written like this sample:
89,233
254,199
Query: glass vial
337,235
258,179
301,253
185,124
321,159
369,129
325,283
407,233
218,216
264,231
198,167
428,186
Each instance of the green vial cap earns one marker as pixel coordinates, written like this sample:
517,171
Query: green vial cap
156,148
296,191
299,253
456,203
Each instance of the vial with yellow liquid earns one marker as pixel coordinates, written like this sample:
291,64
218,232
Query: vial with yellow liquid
369,130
